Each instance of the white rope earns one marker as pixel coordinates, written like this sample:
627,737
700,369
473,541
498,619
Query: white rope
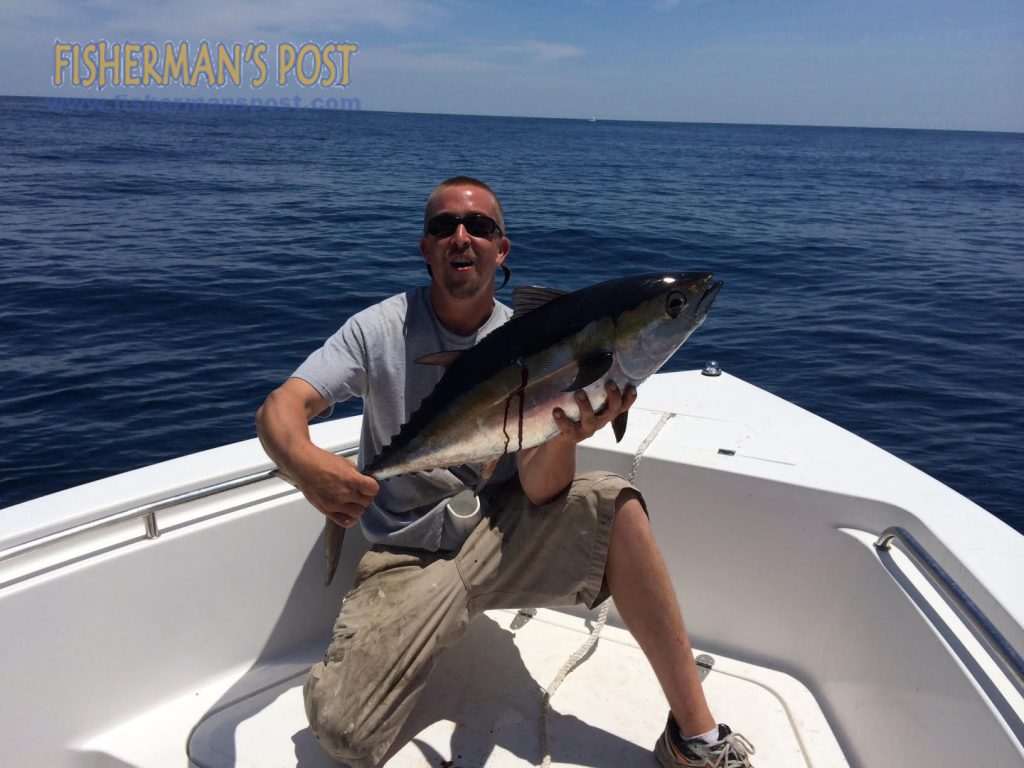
645,444
595,633
570,664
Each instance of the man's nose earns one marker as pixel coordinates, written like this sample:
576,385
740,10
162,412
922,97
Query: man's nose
461,235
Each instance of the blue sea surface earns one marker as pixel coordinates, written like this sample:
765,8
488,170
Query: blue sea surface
163,270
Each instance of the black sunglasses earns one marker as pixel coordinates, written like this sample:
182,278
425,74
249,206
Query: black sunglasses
477,225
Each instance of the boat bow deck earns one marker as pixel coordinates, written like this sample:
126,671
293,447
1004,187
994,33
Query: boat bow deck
482,708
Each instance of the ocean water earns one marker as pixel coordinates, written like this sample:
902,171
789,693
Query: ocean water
162,271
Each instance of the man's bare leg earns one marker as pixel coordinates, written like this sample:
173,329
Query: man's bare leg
644,596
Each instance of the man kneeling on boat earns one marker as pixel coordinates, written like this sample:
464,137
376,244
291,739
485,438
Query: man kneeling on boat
547,536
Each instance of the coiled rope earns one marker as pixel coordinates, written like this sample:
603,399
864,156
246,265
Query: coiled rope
595,633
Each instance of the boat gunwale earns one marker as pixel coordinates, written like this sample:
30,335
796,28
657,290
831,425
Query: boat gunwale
148,510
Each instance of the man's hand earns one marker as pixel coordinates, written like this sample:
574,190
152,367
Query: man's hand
334,486
618,403
330,483
546,470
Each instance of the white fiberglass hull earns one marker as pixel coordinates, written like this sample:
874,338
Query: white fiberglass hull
120,649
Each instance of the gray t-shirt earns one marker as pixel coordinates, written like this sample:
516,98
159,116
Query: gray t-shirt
373,356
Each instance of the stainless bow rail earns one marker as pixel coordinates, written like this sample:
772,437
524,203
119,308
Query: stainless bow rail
984,627
148,511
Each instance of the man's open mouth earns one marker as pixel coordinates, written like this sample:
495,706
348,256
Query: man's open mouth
462,263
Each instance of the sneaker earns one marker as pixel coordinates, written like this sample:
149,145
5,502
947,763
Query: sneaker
730,751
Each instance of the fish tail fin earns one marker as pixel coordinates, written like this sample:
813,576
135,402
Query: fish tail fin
334,537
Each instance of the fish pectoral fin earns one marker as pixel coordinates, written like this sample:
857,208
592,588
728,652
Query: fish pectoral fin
527,298
590,370
334,537
440,358
619,425
465,474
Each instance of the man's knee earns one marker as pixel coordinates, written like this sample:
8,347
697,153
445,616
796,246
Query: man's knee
631,518
344,732
629,501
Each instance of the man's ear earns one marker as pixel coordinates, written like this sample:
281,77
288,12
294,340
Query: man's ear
423,253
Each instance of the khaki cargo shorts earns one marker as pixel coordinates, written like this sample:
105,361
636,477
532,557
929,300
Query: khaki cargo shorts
407,606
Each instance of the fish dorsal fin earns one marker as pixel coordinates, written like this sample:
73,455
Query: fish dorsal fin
527,298
440,358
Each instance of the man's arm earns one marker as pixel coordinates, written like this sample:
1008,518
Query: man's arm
329,482
547,470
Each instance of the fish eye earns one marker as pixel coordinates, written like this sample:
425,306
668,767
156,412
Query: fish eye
674,304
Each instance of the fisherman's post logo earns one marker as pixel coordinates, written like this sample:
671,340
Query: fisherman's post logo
97,65
101,64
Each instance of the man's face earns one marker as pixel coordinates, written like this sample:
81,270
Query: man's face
463,265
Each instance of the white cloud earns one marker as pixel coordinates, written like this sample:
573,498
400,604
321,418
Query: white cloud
462,57
540,50
669,5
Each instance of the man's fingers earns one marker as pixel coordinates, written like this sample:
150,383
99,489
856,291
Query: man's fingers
366,486
618,400
614,399
574,430
566,425
342,499
587,417
357,502
360,494
347,516
343,505
629,398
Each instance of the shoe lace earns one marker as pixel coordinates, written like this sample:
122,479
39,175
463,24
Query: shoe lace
730,752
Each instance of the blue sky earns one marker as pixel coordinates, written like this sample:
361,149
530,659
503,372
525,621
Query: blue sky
902,63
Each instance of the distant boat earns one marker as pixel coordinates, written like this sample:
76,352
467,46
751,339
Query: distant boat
591,119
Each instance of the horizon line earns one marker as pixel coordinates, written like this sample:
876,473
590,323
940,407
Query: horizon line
213,105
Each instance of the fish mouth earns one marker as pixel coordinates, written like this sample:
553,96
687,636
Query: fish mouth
708,299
